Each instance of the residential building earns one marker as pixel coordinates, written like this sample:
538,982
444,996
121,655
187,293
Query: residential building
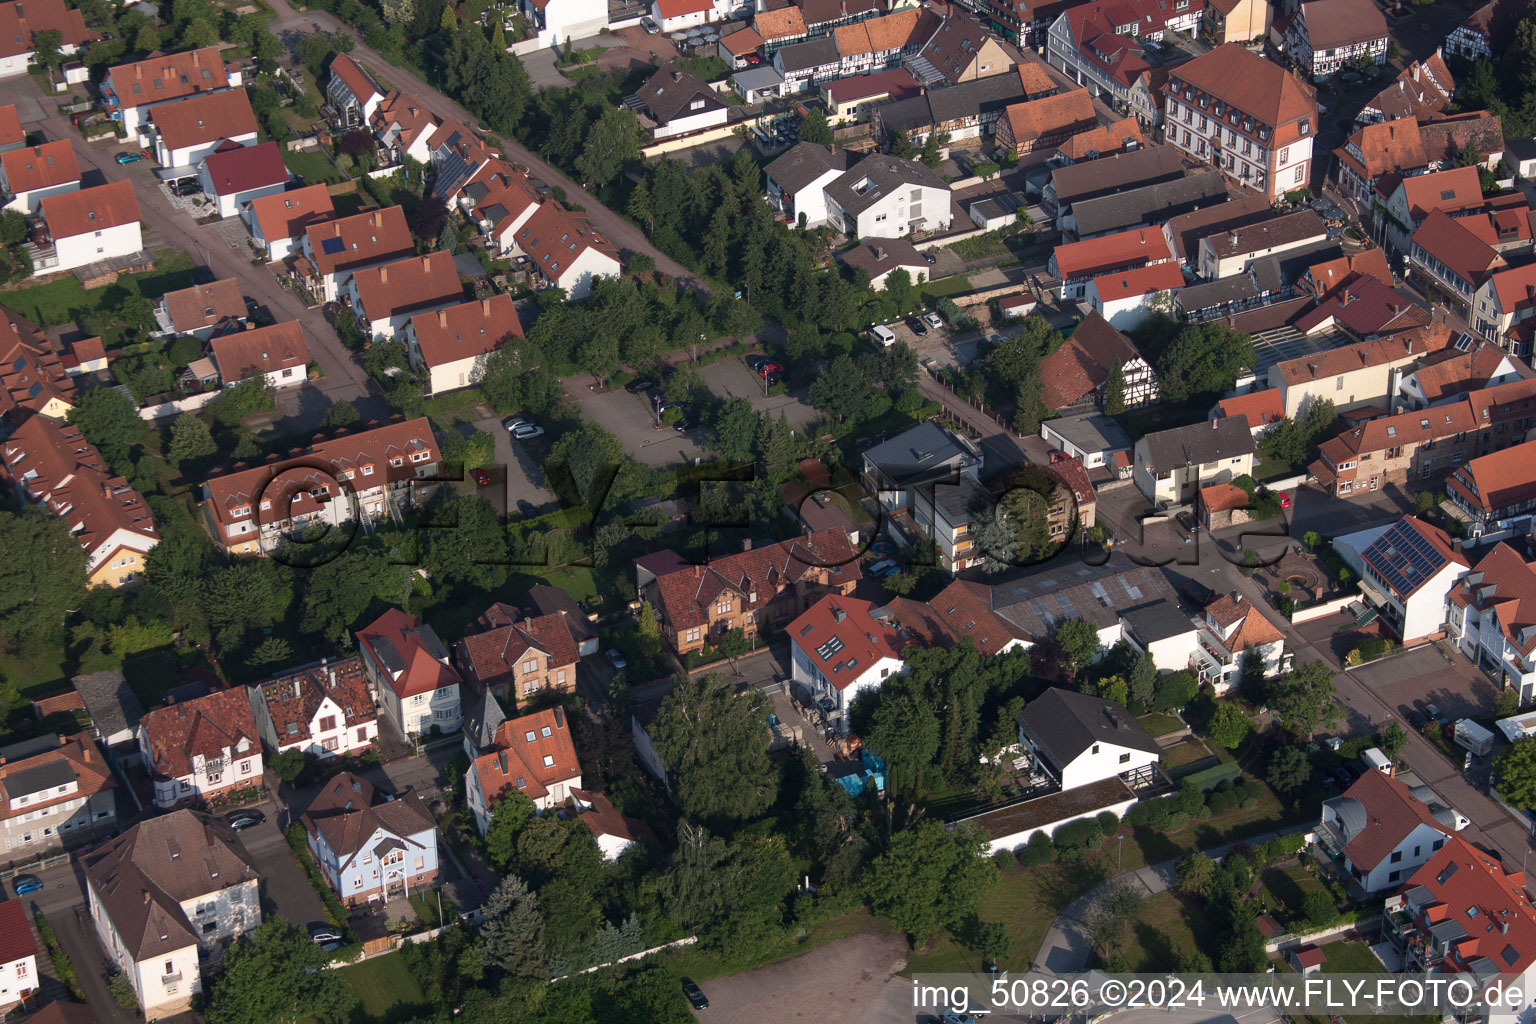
1420,92
1223,254
457,155
335,249
1474,39
1498,490
798,179
839,649
1325,35
1262,410
1045,123
184,134
19,25
961,611
1162,630
202,309
499,205
408,672
57,793
202,750
1094,178
52,466
556,21
321,709
131,90
779,27
807,64
614,833
404,126
516,657
1451,373
1452,256
371,846
532,754
386,297
1151,205
452,345
959,51
1383,831
1249,118
882,257
1025,22
115,712
278,222
34,377
1184,231
1100,45
1102,596
374,472
921,456
567,252
1127,297
18,956
33,173
89,226
351,93
1504,305
166,896
1077,372
1232,631
1236,21
678,103
1095,439
697,604
886,197
881,42
1352,376
1077,740
970,110
1121,136
277,353
546,600
677,15
1172,465
1396,216
1405,574
234,175
1492,619
1075,264
853,99
1379,149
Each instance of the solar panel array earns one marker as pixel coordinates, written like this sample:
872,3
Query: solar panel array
332,246
1404,558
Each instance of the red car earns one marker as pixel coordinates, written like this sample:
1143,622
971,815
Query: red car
480,477
1285,501
769,368
1059,456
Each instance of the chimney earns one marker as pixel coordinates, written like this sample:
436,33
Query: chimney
1215,423
426,263
146,897
383,274
442,318
485,307
295,687
838,615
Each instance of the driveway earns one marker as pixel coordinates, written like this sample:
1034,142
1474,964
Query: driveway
1312,509
850,981
732,378
286,891
77,936
629,418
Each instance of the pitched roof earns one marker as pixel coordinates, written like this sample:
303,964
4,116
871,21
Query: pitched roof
1257,87
29,773
410,653
204,305
459,332
961,611
349,814
90,209
1083,362
32,373
1365,306
356,78
20,23
956,45
16,941
605,820
1106,140
167,76
288,214
1051,115
34,167
1332,24
1451,191
1331,274
260,350
1458,249
863,185
1187,229
1198,443
1259,408
1286,229
804,162
493,654
671,92
404,112
11,132
1137,282
1413,552
784,23
361,238
1388,147
1038,603
1223,497
881,255
897,83
1242,625
842,637
533,752
1450,373
1094,256
244,168
1499,480
409,284
143,875
555,238
203,726
678,8
294,698
1377,352
1446,138
207,118
64,1013
1465,890
1422,90
1066,723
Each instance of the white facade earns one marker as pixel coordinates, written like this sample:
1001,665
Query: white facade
387,324
583,272
686,123
29,201
1412,853
90,247
689,19
1099,761
17,979
322,742
1209,140
1127,313
899,212
193,155
232,204
805,670
554,797
1170,653
405,862
1478,636
1321,63
417,714
240,766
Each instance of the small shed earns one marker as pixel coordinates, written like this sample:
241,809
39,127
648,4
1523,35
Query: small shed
1306,959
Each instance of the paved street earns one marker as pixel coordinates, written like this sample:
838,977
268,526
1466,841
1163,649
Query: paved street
285,889
77,936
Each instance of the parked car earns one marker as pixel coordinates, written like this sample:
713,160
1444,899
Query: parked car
1416,719
321,934
26,884
511,423
187,187
881,567
1060,456
957,1018
756,361
239,820
767,369
634,387
617,660
129,158
696,997
1433,711
916,326
480,477
930,257
649,24
933,320
1197,593
685,424
1187,521
527,432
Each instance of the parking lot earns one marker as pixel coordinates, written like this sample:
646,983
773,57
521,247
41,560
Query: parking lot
732,378
628,417
518,474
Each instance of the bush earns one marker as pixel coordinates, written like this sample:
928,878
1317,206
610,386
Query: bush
1108,823
1152,814
1210,778
1177,820
1205,813
1040,850
297,842
1004,859
1317,909
1077,833
1221,802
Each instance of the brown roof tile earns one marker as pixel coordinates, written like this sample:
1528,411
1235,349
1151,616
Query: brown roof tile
204,305
473,329
91,209
522,745
289,214
34,167
207,118
1051,115
260,350
368,237
204,727
293,698
1083,363
409,284
168,76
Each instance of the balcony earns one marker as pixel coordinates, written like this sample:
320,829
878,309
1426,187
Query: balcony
170,979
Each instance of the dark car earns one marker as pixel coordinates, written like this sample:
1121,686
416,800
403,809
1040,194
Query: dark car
238,820
1416,719
756,361
930,257
634,387
526,507
696,997
1187,521
1196,592
773,378
916,326
187,187
685,424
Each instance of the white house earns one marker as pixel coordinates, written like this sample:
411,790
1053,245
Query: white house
322,709
679,103
167,894
18,956
385,298
1326,35
370,846
408,672
1163,631
1170,466
278,352
1077,740
1385,831
201,749
886,197
130,91
33,173
57,792
278,222
1231,631
499,204
927,454
1407,571
351,92
614,833
19,25
675,15
1493,621
1128,297
186,132
838,649
452,344
89,226
566,251
532,754
797,181
202,309
234,175
555,21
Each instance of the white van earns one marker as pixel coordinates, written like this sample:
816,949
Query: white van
883,335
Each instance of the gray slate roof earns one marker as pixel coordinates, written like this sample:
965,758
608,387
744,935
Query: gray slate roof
111,702
805,162
923,453
1098,595
482,717
1094,433
670,90
1237,288
1065,723
906,115
1226,438
804,56
1077,182
1148,204
979,96
1160,620
888,173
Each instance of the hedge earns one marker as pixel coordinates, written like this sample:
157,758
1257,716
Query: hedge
1040,850
298,843
1078,833
1210,778
63,966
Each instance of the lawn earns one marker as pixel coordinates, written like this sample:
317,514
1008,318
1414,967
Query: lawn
1357,958
1184,752
1273,469
388,992
1168,928
63,301
1161,723
945,286
313,166
1288,887
1147,847
693,962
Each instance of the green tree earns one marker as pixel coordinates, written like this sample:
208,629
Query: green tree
1229,727
1078,641
904,730
612,142
990,940
1114,390
730,892
734,427
933,149
775,449
513,932
512,811
1202,359
1193,874
648,631
46,52
580,458
599,356
815,129
340,414
714,743
13,227
288,765
1304,699
198,34
1393,738
1015,531
1289,769
1112,911
930,878
277,976
1030,409
901,146
41,579
109,420
273,650
191,440
1507,703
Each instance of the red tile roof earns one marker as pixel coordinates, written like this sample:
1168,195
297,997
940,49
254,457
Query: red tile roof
1223,497
288,214
1332,24
1451,191
242,169
416,647
1472,889
857,639
784,23
1094,256
473,329
1388,147
1083,362
34,167
555,238
1365,307
32,374
1139,281
1260,408
961,611
167,76
1331,274
491,657
260,350
1463,253
203,119
204,305
90,209
355,78
897,83
294,698
1499,480
1050,116
364,238
678,8
204,727
16,942
1252,628
1106,140
11,132
20,22
1257,87
1450,373
409,284
519,762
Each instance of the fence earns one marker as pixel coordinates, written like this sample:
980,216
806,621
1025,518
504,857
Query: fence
164,410
690,940
1322,610
1361,924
